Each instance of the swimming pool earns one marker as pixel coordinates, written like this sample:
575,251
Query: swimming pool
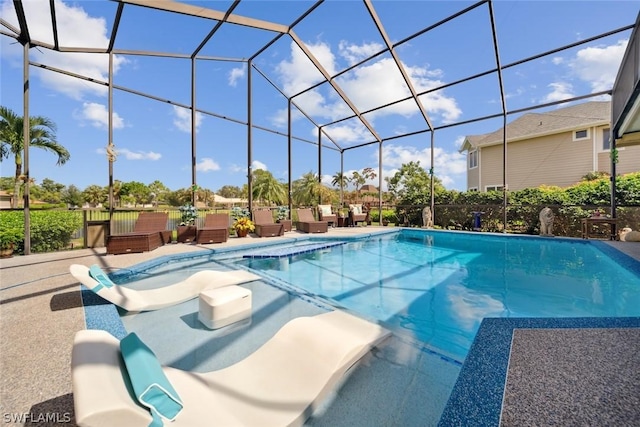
435,286
431,288
438,286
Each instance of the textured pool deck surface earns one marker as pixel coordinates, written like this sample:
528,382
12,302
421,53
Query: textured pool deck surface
41,310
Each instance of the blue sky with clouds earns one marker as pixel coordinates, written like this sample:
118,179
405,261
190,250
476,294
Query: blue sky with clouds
152,137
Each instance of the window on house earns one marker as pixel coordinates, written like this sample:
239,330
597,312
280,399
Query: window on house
473,159
606,142
581,134
493,188
473,189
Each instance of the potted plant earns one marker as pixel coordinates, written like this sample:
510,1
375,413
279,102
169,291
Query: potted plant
243,226
388,216
187,228
9,240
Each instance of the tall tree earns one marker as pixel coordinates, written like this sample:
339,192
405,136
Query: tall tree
307,190
159,192
267,189
230,191
341,181
137,191
411,185
72,196
95,194
42,132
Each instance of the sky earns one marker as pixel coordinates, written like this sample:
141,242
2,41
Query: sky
152,135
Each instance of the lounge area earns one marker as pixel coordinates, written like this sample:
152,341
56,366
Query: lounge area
150,231
307,223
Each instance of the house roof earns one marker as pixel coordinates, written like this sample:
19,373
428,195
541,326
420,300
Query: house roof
533,125
368,188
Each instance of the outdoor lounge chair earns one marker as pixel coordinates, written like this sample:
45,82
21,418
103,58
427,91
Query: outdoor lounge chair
356,215
325,214
280,384
154,299
149,232
308,224
265,226
215,230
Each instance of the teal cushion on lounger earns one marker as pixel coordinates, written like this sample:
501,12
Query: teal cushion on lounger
102,278
150,384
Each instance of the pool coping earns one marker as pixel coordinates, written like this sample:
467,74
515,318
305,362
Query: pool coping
477,396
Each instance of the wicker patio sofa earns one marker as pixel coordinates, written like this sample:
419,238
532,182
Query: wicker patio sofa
308,224
149,232
215,230
265,226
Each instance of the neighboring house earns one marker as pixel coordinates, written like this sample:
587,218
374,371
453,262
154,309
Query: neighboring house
555,148
5,200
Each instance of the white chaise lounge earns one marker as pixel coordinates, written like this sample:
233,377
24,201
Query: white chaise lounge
280,384
155,299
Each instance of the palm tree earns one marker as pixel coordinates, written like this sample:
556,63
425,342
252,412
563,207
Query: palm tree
267,189
95,194
304,191
42,132
340,180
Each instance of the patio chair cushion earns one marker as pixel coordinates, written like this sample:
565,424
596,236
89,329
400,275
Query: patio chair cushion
325,209
356,209
150,384
101,277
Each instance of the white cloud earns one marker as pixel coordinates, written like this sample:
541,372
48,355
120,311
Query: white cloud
236,74
448,166
356,53
255,165
207,164
75,28
599,65
98,116
560,91
298,73
182,119
347,133
133,155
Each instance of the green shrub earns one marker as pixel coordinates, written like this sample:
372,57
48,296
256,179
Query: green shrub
50,230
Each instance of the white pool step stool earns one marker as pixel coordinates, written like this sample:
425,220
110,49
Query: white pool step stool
220,307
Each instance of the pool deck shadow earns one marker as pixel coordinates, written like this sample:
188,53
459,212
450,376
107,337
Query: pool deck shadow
39,316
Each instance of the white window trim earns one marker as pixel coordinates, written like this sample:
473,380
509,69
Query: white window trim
494,187
584,138
477,159
601,138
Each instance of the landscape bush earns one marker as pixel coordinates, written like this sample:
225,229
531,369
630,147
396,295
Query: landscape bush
50,230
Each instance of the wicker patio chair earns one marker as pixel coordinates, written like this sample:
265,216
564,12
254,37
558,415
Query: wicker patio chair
215,230
149,232
356,215
308,224
325,214
265,226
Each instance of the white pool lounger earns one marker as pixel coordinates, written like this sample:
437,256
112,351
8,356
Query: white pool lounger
166,296
280,384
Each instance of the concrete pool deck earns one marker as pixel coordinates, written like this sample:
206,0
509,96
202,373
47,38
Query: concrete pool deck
41,310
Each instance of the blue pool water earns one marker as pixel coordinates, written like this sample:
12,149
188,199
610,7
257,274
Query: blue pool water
437,287
431,288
